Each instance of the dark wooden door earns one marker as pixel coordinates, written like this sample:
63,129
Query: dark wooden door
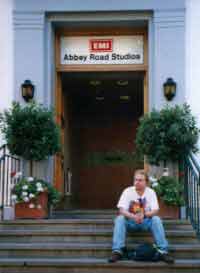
112,168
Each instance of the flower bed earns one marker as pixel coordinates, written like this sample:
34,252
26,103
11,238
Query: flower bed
30,210
32,197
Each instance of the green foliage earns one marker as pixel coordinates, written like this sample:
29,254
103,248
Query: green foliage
168,134
28,188
30,131
170,190
111,158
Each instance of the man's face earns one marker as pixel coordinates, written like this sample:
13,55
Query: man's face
140,182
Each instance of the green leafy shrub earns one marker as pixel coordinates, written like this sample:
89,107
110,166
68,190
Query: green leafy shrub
30,131
168,134
170,190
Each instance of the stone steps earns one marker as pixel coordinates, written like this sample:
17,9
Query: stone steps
89,235
79,214
91,265
82,214
80,223
83,250
81,243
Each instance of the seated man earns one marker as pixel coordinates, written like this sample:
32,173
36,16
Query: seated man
138,208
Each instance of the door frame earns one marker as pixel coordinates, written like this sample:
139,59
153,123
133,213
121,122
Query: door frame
59,103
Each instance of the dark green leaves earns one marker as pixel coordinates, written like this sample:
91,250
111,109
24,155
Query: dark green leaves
30,131
170,190
168,134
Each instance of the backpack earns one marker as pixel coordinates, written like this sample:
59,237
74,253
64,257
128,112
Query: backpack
144,252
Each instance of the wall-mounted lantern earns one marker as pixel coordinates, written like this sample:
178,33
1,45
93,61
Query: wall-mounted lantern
27,89
169,88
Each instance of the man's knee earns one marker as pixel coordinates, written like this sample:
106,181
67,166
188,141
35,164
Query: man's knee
156,220
120,219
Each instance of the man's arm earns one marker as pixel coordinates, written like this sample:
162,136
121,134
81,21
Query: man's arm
154,205
151,213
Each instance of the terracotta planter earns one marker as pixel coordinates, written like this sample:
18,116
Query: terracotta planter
23,211
168,212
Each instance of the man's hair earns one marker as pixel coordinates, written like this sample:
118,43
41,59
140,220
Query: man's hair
142,172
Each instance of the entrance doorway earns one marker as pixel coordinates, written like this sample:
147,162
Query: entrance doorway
100,117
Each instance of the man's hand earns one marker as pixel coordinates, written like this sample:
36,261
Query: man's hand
138,218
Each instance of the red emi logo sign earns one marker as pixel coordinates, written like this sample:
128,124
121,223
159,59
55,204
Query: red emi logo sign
101,45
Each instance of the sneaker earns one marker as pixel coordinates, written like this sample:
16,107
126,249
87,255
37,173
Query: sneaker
166,257
116,256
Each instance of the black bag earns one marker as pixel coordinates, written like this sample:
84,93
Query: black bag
145,252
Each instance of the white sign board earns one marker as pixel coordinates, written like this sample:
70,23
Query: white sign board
102,50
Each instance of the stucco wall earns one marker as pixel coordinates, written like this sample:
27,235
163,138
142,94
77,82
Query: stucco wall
169,55
192,55
6,54
192,67
96,5
29,48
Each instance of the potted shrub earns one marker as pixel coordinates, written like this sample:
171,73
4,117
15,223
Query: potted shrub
32,197
30,132
167,135
170,192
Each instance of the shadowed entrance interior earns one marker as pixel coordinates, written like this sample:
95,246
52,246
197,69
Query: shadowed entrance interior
101,112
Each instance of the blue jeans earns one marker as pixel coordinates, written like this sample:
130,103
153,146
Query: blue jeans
154,225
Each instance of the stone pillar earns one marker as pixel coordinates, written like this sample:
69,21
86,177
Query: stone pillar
30,63
169,55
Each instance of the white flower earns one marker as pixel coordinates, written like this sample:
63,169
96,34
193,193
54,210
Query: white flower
31,206
24,193
17,175
31,195
14,197
155,184
25,187
30,179
26,199
152,179
40,189
38,184
39,206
